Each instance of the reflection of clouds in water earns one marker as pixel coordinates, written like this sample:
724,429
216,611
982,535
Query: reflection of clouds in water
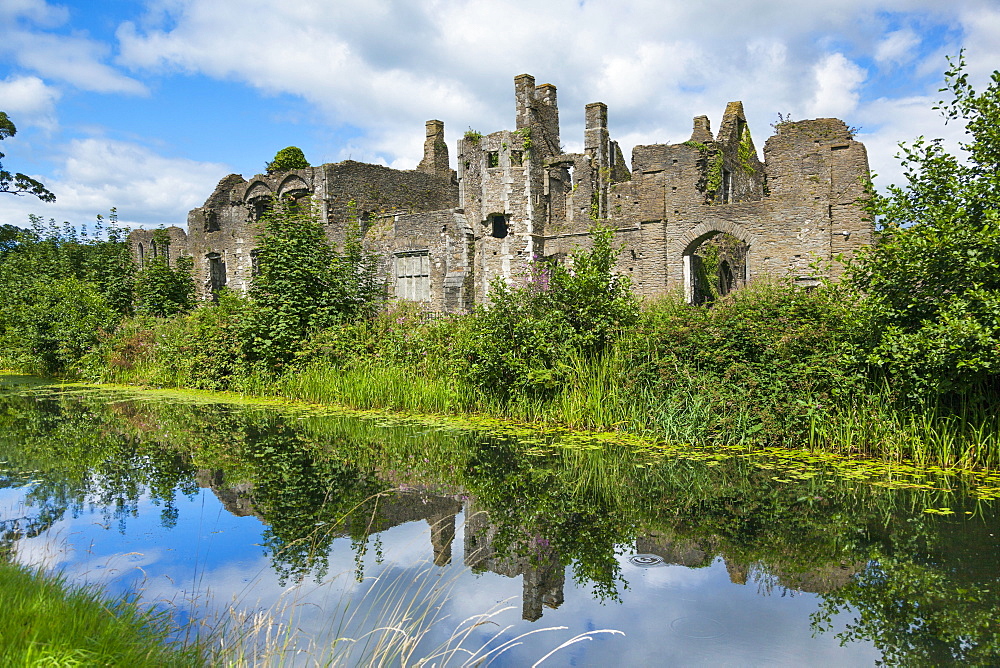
671,615
48,551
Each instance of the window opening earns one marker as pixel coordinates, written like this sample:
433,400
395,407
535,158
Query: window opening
216,274
413,276
727,186
142,257
517,158
499,229
212,221
261,207
493,159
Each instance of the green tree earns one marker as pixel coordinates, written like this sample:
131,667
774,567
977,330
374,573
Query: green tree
303,283
17,183
60,292
522,341
162,290
290,157
930,283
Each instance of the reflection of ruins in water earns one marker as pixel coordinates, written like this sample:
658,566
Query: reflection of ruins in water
673,549
394,508
532,557
544,575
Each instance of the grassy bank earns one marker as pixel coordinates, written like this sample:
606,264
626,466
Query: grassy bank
46,622
771,365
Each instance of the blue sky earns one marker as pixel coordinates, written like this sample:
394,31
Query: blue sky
144,105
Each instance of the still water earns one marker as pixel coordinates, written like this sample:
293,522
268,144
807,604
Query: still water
298,529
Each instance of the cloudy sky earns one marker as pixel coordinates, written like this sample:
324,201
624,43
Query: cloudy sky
144,104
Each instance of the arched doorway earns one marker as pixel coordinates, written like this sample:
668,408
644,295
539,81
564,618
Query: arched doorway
715,264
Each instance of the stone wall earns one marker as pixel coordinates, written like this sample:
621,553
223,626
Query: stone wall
443,236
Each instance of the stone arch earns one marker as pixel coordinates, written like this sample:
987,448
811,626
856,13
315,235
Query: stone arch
701,233
258,198
293,185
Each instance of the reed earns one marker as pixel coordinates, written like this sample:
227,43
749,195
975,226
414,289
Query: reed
383,386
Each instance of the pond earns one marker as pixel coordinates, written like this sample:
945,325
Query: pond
315,535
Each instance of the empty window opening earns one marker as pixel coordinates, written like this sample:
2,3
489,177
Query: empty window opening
212,221
254,263
516,158
413,276
727,281
499,229
727,186
216,274
260,208
493,159
142,256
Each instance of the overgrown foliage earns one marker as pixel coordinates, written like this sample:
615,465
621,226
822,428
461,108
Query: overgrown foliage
304,284
931,286
522,341
290,157
60,290
162,290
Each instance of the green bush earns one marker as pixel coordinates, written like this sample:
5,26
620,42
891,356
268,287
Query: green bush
162,290
303,284
290,157
521,342
930,281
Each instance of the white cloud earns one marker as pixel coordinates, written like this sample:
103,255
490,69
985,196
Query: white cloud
96,174
74,59
387,66
898,47
37,11
29,101
837,81
887,122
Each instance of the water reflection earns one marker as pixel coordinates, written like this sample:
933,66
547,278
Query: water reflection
920,588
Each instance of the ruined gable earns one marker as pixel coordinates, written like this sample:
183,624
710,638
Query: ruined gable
680,211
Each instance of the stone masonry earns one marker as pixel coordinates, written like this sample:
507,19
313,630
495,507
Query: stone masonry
444,235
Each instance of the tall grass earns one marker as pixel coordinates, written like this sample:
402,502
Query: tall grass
874,424
47,622
390,387
767,366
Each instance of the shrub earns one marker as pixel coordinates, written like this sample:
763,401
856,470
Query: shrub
521,342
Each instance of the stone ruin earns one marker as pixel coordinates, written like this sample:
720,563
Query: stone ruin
704,216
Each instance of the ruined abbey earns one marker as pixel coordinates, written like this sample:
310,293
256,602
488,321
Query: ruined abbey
443,234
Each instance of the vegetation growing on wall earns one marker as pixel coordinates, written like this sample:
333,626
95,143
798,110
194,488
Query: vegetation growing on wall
745,151
162,290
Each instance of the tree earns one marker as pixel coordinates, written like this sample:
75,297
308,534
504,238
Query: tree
17,183
303,283
930,283
290,157
162,290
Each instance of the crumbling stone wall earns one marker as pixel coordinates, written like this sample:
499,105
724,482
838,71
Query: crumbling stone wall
444,235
